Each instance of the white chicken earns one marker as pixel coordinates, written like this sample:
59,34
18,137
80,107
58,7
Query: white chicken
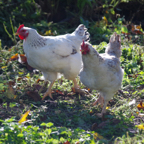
54,55
102,72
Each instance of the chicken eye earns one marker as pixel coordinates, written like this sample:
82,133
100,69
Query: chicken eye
23,30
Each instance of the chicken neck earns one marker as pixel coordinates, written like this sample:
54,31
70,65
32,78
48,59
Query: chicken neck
88,61
35,40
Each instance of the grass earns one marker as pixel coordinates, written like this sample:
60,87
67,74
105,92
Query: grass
69,118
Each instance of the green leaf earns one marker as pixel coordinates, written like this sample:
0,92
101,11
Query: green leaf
1,120
47,124
20,135
124,29
43,124
49,131
2,86
112,11
9,120
92,142
50,124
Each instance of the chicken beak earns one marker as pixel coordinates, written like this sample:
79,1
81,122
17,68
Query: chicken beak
16,33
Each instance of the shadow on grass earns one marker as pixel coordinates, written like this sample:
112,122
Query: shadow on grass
75,112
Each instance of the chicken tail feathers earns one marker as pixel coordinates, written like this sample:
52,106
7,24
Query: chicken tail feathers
114,46
82,32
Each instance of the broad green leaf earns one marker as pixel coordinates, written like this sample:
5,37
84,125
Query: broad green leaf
49,124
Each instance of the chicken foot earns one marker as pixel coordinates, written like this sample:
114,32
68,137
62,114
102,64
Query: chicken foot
77,88
103,109
48,92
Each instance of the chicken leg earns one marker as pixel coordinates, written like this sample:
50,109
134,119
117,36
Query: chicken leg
99,100
48,92
77,88
103,109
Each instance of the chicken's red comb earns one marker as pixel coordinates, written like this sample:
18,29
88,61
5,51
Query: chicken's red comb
21,26
83,44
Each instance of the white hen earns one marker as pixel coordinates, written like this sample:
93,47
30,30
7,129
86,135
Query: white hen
102,72
54,55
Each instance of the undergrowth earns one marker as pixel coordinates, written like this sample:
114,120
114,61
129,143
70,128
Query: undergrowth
70,118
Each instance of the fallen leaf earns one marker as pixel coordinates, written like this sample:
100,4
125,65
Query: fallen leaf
23,58
15,96
105,19
136,29
21,73
19,78
138,26
88,89
28,77
14,57
37,80
140,106
48,32
137,112
140,126
34,95
67,142
24,116
106,11
3,67
125,33
97,136
59,92
108,107
132,102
